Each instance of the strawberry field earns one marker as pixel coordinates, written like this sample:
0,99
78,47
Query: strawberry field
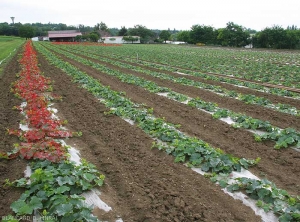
165,133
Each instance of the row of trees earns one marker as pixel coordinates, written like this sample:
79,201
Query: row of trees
278,38
235,35
232,35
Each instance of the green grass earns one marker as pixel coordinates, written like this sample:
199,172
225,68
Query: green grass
8,44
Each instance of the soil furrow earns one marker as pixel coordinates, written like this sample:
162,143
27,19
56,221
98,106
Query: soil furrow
142,184
280,166
9,119
278,119
271,97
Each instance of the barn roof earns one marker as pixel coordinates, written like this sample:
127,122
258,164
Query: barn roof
64,33
135,36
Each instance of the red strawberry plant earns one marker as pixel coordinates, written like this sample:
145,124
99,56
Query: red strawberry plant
39,143
33,88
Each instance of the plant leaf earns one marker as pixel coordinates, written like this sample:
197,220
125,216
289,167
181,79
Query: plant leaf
64,209
21,208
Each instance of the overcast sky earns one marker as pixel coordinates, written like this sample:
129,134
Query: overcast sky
154,14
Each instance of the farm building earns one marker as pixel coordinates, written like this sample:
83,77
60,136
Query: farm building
119,40
63,36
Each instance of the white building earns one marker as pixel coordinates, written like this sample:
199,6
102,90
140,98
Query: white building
118,40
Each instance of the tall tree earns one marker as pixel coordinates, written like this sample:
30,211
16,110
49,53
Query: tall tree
82,28
164,35
26,31
5,29
184,36
141,31
93,37
202,34
103,26
278,38
123,31
62,26
233,35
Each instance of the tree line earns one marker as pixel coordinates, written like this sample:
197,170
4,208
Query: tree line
233,35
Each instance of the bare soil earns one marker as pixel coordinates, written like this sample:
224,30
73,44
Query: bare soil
9,119
276,118
144,184
239,142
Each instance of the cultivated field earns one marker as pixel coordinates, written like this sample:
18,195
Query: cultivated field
151,115
7,46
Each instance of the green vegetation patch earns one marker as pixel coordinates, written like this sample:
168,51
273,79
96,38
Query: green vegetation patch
8,46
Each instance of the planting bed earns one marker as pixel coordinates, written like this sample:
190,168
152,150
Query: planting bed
144,184
237,142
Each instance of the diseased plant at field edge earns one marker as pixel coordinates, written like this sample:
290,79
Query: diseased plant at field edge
55,186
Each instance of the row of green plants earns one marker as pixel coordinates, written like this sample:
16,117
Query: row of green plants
246,98
155,127
52,191
283,138
191,151
265,66
206,76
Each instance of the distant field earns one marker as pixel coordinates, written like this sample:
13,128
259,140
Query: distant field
7,46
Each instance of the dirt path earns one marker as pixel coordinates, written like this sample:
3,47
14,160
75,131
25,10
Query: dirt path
141,184
279,166
9,119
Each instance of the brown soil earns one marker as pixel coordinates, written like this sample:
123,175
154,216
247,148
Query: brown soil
273,98
219,134
9,119
144,184
141,184
276,118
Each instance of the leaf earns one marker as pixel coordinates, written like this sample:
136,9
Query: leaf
290,140
88,176
267,207
244,163
88,216
223,183
21,208
84,185
75,190
233,187
21,182
41,195
62,189
63,209
285,218
65,180
68,218
58,199
77,203
99,182
196,159
214,162
205,167
36,203
262,193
